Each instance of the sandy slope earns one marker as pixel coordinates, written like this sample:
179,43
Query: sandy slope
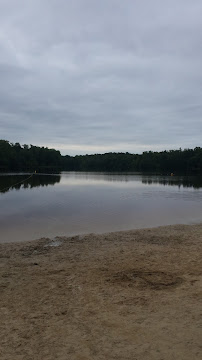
125,295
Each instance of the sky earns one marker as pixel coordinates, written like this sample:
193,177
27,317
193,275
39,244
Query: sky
91,76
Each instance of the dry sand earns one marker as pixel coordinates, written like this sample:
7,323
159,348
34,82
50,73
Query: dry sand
125,295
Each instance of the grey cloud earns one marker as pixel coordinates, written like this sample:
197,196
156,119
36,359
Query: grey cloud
101,75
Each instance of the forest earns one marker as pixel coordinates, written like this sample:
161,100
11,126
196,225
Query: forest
16,157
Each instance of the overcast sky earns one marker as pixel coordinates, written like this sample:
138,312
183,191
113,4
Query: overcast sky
93,76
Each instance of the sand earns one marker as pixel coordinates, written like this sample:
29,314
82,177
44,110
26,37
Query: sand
124,295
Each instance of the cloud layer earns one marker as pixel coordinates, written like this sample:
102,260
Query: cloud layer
96,76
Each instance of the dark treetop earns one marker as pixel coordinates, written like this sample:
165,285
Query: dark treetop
16,157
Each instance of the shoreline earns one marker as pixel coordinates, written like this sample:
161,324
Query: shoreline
100,233
120,295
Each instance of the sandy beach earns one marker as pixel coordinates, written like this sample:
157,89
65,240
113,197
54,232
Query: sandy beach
125,295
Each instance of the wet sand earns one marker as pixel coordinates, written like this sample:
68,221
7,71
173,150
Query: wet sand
125,295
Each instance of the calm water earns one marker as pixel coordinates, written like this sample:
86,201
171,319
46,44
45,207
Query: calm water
78,203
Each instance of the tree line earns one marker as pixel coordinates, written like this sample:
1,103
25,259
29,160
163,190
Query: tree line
16,157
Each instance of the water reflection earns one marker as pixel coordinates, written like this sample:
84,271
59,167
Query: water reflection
101,176
146,179
185,182
26,181
94,202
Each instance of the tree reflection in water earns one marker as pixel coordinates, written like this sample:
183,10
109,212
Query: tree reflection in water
184,181
17,182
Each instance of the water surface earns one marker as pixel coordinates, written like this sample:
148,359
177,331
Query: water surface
79,203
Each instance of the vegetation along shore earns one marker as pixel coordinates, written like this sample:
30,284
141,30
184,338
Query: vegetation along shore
16,157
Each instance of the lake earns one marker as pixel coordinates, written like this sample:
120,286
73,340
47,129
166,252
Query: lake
71,203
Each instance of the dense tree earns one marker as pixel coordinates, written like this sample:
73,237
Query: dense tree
14,157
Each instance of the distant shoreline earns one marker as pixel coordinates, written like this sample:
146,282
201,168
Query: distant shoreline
17,157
